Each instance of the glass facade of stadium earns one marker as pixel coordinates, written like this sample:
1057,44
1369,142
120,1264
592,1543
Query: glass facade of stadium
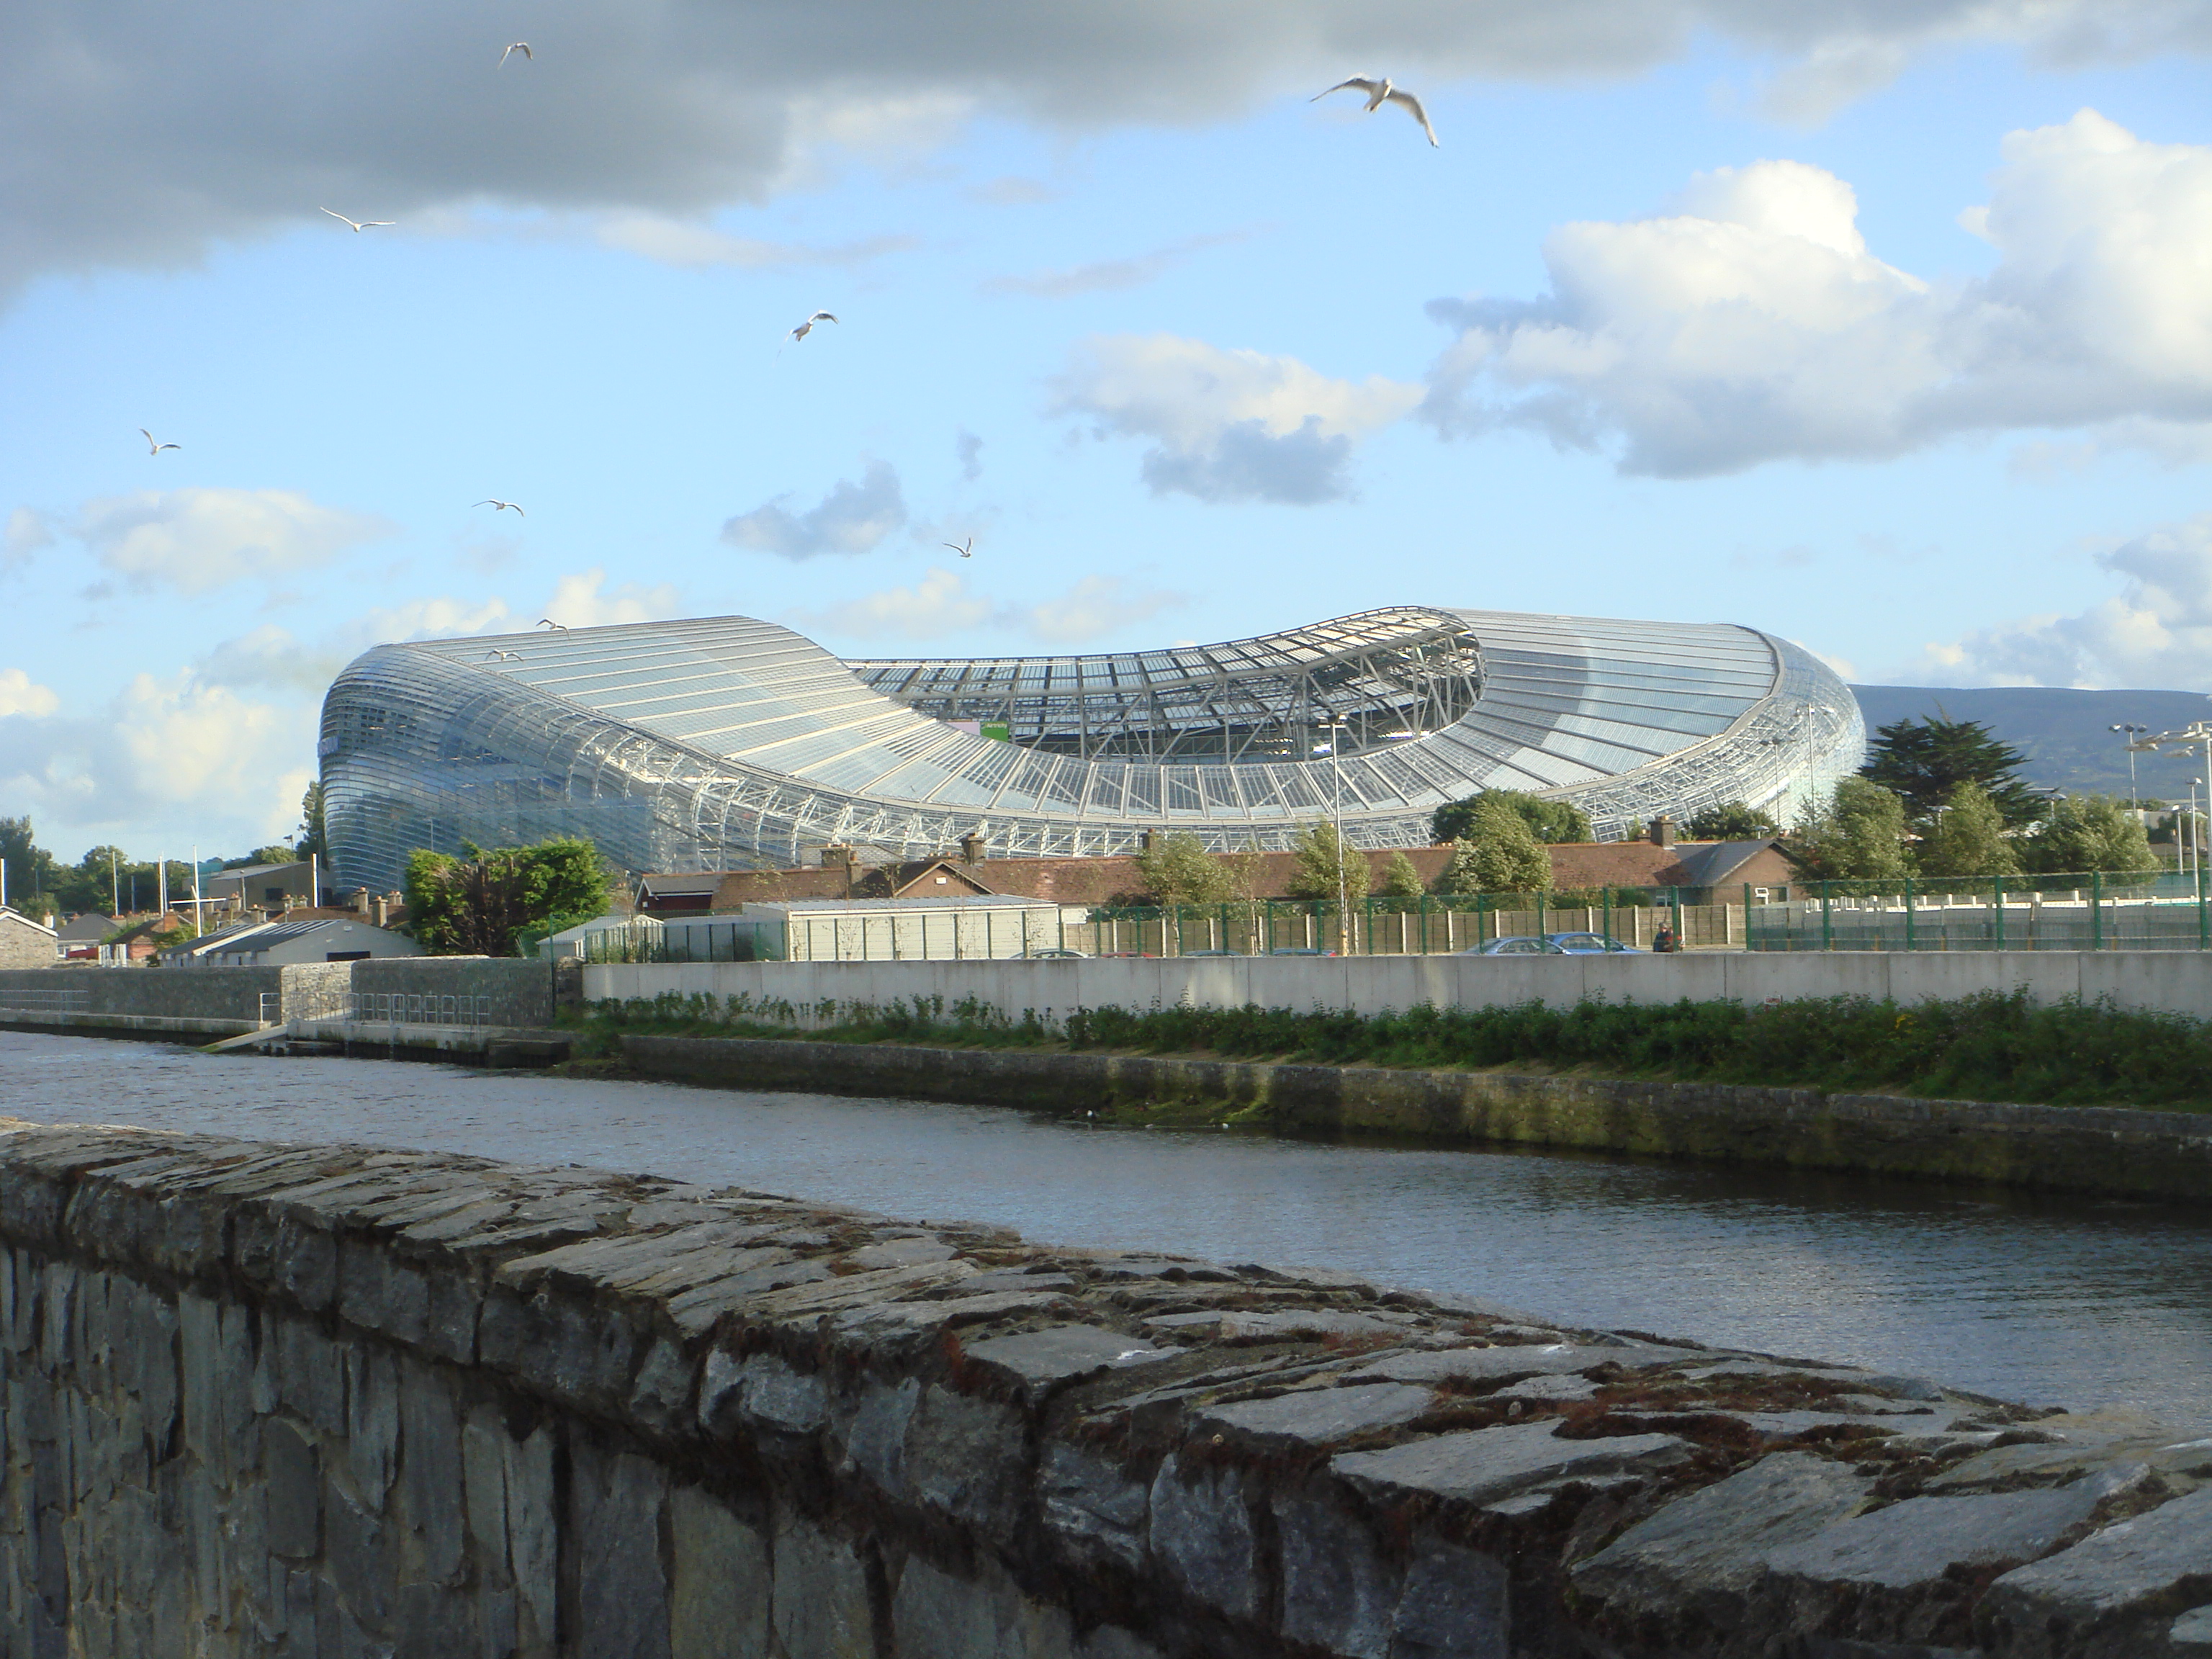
727,742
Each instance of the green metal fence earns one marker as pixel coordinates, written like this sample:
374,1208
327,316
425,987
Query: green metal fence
2086,911
1377,925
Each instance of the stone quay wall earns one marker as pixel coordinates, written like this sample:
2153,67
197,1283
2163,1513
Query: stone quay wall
2118,1151
216,1002
326,1402
819,992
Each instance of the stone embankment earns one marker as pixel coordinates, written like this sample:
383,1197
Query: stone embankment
2094,1149
328,1401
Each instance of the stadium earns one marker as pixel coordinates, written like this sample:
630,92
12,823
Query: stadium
728,743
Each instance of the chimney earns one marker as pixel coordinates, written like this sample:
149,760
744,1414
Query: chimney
971,849
837,852
1145,840
1663,830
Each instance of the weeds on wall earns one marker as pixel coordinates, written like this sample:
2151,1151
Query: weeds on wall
1990,1046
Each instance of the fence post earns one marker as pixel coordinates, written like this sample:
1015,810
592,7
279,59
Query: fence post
1608,914
1424,924
1540,913
1911,942
2203,936
1996,887
2096,910
1482,903
1674,909
1828,920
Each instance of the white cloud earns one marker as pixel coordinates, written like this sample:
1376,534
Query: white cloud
174,749
21,695
1230,425
194,539
1109,276
270,657
1749,323
939,603
577,601
27,532
146,145
2156,633
853,518
688,242
1095,606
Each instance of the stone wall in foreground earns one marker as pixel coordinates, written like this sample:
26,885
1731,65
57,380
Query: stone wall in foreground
329,1401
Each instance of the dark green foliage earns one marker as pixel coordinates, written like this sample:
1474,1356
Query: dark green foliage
484,904
1731,820
1176,869
1924,761
31,869
1549,821
309,837
2090,832
1991,1046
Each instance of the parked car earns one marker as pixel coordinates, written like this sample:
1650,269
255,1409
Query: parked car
1054,956
1594,945
1213,953
1531,946
1299,951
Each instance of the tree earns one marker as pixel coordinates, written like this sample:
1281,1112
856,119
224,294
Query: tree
1731,820
276,853
1858,835
30,869
1399,878
491,903
309,837
1924,761
1548,821
2090,832
1178,870
1969,838
1320,860
1500,854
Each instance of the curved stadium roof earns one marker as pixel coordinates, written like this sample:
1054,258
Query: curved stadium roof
727,741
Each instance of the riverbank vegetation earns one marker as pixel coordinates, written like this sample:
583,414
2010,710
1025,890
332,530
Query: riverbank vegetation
1992,1046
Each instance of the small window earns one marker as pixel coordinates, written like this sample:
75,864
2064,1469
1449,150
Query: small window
347,955
940,881
1759,896
272,896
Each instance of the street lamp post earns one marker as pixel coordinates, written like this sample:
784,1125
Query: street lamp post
2128,736
1336,729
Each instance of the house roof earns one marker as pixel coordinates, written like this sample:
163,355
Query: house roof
1711,863
89,928
9,912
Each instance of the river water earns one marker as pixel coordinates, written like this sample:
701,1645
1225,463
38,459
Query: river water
2050,1300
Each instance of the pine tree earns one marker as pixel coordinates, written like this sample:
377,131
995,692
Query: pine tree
1969,839
1924,761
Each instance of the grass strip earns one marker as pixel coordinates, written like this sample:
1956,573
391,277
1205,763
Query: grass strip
1992,1046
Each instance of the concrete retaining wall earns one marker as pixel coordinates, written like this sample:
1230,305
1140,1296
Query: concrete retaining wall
2178,981
2059,1148
324,1401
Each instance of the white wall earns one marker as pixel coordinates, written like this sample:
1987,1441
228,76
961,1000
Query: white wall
2180,981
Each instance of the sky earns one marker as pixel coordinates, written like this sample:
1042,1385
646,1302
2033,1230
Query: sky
1887,329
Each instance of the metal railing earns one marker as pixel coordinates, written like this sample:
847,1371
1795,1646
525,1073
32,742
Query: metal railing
384,1008
2085,910
27,1001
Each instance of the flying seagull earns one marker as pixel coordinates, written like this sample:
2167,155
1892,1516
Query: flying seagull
966,550
152,448
807,327
499,505
513,47
1380,91
503,656
548,621
359,225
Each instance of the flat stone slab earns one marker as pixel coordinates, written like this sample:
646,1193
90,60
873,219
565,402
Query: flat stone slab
1037,1362
1923,1538
1483,1465
2132,1568
1715,1541
1510,1365
1315,1417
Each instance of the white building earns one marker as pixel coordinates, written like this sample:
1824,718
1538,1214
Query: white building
285,944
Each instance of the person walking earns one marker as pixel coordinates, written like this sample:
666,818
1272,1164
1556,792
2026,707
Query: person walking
1664,940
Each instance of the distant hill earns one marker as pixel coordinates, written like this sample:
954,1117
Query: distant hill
2066,735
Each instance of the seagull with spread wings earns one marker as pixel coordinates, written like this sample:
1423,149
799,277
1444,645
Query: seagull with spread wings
152,448
358,225
807,327
966,550
499,505
548,621
1380,91
513,47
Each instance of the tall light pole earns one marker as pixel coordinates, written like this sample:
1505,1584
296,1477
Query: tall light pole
2128,734
1335,728
2196,855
